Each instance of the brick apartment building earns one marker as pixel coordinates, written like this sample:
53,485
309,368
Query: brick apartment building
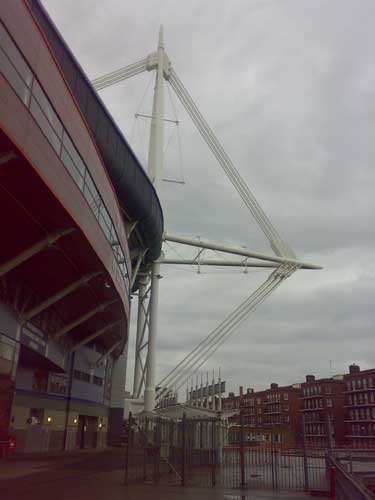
322,399
268,416
359,407
343,405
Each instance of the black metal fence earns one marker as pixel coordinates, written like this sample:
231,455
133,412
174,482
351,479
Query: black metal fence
193,451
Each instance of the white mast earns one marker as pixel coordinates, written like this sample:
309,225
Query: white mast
284,259
155,172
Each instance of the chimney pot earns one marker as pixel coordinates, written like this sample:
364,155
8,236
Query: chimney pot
354,368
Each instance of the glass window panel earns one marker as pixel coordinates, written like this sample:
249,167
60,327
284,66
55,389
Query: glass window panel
91,201
9,47
105,223
72,169
46,106
6,349
123,270
92,195
121,257
14,78
69,146
45,125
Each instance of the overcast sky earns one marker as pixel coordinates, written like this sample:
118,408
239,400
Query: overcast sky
289,89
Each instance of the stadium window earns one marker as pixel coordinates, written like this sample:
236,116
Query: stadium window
83,376
45,125
47,109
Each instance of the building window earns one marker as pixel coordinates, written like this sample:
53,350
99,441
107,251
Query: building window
78,375
36,416
328,389
259,411
57,383
329,402
286,396
40,381
97,380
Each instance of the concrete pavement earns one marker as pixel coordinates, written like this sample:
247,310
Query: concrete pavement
99,476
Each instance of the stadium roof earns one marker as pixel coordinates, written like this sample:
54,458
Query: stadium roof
134,189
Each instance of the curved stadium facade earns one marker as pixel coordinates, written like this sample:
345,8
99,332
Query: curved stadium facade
76,212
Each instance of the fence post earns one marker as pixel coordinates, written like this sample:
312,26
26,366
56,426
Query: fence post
145,451
332,483
275,464
272,459
200,441
171,444
213,445
350,462
129,430
329,434
156,448
183,451
305,461
242,450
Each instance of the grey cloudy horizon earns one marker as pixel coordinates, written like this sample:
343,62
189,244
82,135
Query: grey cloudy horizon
289,89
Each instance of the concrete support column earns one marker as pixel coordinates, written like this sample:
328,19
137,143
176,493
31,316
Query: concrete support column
9,353
116,411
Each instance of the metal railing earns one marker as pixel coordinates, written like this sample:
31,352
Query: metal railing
345,485
194,452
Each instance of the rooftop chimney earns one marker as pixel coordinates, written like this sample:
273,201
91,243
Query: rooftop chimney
354,368
310,378
249,390
241,390
231,394
274,386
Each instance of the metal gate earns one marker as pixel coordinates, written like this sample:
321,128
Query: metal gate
193,451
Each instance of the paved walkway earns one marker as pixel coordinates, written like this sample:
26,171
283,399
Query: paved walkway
99,476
